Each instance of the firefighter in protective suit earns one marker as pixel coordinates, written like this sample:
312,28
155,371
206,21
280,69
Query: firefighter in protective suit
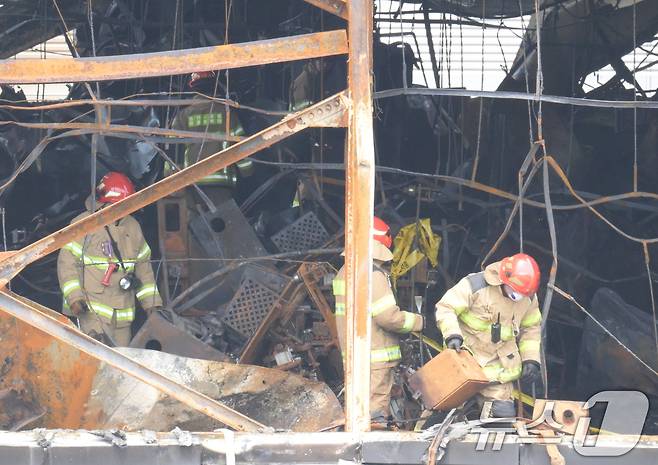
101,276
495,315
388,322
211,117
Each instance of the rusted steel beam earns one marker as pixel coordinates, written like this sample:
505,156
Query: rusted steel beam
70,335
327,112
105,128
359,206
144,65
335,7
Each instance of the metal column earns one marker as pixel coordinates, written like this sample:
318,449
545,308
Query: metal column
359,205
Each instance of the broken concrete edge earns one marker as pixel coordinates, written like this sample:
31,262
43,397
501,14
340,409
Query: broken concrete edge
182,447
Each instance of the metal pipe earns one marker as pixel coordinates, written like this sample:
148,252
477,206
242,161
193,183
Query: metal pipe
359,206
142,65
70,335
499,94
328,112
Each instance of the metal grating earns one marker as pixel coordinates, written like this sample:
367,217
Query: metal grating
249,307
305,233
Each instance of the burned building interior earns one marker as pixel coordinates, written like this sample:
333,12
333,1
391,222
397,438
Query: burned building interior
464,177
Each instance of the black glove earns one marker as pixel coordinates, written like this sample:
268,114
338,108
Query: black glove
531,372
454,343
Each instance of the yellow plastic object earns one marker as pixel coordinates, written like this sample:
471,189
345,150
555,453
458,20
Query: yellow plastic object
405,256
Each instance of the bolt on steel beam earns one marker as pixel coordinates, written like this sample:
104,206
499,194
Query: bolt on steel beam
301,47
328,112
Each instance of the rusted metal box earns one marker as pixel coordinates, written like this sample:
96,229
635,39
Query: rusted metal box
448,380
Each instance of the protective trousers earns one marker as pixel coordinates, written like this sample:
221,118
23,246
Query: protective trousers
95,326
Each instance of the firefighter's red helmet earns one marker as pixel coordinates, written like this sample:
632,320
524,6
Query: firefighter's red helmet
114,187
521,273
381,232
198,76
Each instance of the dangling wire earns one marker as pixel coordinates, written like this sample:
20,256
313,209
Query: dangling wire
4,236
634,98
405,84
647,262
479,138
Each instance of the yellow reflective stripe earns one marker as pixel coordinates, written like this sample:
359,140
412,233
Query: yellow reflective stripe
206,119
144,253
387,354
474,322
244,163
532,319
74,248
340,309
528,346
478,324
95,261
148,290
102,310
102,262
496,372
70,286
459,310
382,304
218,179
105,311
126,314
492,371
338,287
409,320
510,375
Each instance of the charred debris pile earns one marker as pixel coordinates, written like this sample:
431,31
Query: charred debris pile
247,276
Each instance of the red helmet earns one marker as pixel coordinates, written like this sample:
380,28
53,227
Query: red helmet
381,232
521,273
114,187
198,76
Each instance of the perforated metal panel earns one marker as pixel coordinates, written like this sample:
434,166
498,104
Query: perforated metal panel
305,233
249,306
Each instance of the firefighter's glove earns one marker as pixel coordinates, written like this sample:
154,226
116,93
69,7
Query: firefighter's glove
454,343
78,307
531,372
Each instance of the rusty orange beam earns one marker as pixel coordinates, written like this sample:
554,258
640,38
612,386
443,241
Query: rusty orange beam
335,7
359,206
40,319
143,65
329,112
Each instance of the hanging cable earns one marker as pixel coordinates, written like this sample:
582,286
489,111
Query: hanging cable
634,97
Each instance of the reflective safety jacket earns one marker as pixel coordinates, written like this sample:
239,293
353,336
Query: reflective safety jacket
470,308
211,118
388,321
81,267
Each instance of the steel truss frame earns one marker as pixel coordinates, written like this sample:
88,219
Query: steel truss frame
354,106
